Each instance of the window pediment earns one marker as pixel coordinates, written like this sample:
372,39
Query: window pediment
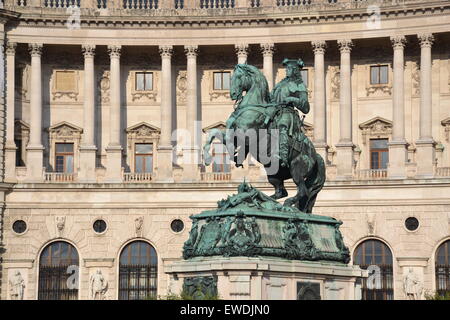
143,129
65,130
377,127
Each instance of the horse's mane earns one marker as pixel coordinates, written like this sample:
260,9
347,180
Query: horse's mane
259,79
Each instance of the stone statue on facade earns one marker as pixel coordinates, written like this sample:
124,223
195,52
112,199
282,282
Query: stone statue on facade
17,286
273,116
412,285
138,223
98,285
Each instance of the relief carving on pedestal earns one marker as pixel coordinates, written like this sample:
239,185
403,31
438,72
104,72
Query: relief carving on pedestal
98,286
17,286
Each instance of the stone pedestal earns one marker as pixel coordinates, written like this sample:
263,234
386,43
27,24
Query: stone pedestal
165,168
242,278
398,155
86,174
35,167
345,160
425,158
10,163
113,164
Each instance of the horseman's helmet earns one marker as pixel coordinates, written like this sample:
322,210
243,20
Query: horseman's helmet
297,63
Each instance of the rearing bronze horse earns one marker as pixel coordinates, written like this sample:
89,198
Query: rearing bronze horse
255,111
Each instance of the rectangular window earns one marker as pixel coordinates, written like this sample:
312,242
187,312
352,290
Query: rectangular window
143,157
221,163
144,81
304,74
379,74
64,157
19,160
222,80
379,153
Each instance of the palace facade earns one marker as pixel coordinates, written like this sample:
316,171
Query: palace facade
101,98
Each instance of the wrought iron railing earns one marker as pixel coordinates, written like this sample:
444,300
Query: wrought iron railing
382,287
53,284
442,279
138,282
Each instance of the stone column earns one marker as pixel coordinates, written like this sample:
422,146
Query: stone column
87,148
191,153
397,146
10,146
165,149
320,114
35,149
267,50
241,52
345,146
425,145
114,149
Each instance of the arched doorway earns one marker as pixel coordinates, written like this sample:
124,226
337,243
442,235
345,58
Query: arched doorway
376,257
58,272
138,271
442,266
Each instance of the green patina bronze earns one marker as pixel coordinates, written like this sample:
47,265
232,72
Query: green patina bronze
258,109
200,288
251,224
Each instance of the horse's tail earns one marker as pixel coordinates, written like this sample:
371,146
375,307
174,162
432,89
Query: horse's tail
315,182
213,133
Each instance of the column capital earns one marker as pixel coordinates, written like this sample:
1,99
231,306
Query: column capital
191,51
398,42
241,49
345,45
35,49
426,40
114,51
267,49
319,46
166,51
88,50
11,48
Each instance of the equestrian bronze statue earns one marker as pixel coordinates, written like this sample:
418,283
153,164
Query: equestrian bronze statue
273,115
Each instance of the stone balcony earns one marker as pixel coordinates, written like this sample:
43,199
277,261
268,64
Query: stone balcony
180,8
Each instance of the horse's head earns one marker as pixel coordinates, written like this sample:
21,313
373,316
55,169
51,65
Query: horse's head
239,82
248,78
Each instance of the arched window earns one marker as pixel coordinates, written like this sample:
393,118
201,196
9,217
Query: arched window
443,268
58,272
138,272
376,257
